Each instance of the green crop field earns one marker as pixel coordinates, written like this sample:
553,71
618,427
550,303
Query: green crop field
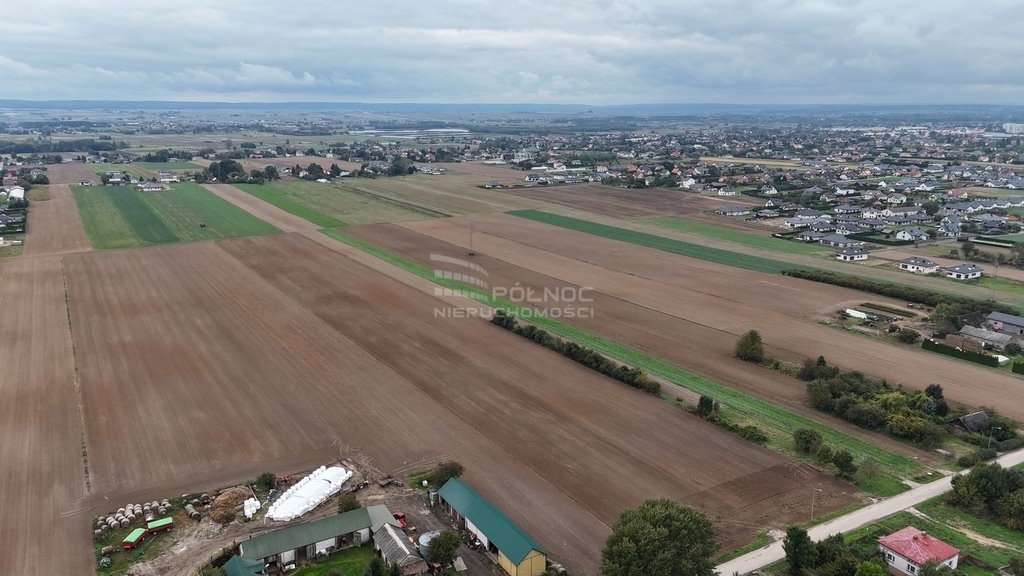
330,205
101,168
719,256
777,422
181,165
121,217
763,241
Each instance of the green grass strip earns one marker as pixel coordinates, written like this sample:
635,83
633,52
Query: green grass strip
278,198
762,241
716,255
777,419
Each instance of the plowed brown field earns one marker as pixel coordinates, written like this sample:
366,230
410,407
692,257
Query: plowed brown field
714,298
42,478
54,226
205,364
628,202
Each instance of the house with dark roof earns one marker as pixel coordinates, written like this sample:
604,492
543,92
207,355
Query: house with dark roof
734,210
964,272
852,254
308,540
1008,323
906,550
518,554
837,240
919,265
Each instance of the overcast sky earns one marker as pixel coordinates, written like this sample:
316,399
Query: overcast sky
525,51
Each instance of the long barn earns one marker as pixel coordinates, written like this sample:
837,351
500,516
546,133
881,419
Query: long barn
518,554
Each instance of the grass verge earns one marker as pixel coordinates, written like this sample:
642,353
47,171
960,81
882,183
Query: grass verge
716,255
760,540
739,407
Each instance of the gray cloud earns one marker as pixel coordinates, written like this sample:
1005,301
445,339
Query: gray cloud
583,51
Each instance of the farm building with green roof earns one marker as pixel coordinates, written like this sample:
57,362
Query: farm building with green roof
517,553
305,541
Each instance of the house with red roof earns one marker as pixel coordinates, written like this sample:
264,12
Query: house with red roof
907,550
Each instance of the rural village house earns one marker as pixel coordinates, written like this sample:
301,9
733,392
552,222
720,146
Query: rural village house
908,549
964,272
919,265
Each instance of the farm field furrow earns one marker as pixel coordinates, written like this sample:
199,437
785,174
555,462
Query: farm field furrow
42,478
785,311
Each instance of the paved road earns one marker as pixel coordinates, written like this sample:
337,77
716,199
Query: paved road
773,552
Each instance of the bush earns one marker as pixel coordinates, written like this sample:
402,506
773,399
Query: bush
807,441
750,347
1012,349
347,502
753,433
908,335
844,463
443,472
1018,367
706,406
1010,444
825,455
442,548
267,481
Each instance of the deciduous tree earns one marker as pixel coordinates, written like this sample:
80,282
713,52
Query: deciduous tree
659,538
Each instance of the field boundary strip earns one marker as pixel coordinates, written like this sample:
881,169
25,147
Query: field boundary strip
764,413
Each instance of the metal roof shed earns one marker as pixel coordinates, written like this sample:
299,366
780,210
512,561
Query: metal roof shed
309,533
518,554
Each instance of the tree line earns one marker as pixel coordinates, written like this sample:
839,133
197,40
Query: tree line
634,377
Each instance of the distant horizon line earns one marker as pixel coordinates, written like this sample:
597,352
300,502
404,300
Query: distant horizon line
88,101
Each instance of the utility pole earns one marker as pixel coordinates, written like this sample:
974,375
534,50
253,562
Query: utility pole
990,431
814,493
471,252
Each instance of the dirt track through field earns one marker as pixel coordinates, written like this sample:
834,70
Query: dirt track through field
724,298
54,226
42,481
261,209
